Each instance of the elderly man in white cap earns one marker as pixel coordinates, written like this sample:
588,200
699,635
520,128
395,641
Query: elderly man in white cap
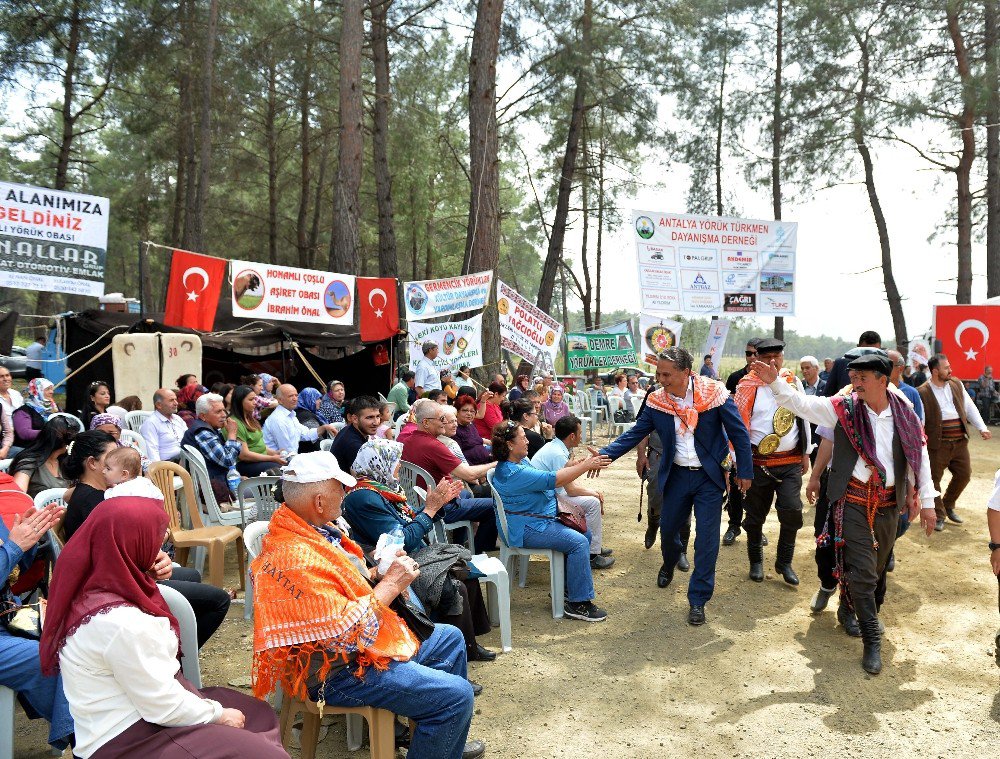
328,628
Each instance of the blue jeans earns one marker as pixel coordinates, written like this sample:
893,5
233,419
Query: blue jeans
476,510
431,689
576,546
689,489
21,671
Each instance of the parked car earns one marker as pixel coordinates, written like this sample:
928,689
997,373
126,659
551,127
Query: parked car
15,362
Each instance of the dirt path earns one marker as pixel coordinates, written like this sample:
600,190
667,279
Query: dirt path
764,677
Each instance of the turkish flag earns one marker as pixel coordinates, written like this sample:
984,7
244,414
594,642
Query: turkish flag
193,290
969,337
379,308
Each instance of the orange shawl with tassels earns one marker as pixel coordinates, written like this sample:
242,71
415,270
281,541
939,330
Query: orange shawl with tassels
746,392
311,601
706,394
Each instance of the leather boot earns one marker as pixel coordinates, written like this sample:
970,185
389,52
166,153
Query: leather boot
785,554
755,553
848,621
871,659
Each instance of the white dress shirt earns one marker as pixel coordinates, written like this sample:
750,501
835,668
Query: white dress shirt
119,668
283,431
946,401
428,375
684,451
762,419
819,410
162,436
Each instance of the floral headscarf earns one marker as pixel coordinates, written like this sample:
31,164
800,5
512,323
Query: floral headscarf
101,419
375,467
553,411
36,397
328,407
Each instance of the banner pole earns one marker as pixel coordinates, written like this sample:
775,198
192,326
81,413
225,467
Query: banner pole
142,282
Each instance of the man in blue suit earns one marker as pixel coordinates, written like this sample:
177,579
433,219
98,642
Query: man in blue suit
696,419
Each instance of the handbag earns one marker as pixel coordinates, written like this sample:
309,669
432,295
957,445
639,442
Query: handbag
624,416
571,515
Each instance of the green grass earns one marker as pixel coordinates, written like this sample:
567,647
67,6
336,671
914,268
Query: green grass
249,301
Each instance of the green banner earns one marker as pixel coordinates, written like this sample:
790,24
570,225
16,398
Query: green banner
598,350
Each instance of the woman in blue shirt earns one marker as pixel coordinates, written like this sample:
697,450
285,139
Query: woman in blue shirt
529,501
377,504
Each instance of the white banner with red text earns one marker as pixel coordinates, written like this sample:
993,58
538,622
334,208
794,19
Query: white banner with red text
525,330
262,291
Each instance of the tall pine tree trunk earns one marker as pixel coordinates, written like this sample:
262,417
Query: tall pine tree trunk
271,137
302,237
963,171
205,130
776,135
387,264
482,242
344,242
992,53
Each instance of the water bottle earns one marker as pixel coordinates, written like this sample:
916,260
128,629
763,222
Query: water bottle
233,479
394,543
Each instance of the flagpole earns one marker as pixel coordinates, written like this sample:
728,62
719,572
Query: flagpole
142,282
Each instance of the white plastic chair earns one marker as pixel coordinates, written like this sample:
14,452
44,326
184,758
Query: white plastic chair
617,404
326,444
73,421
256,490
5,465
50,495
182,610
408,474
576,407
128,437
210,510
134,419
398,426
557,559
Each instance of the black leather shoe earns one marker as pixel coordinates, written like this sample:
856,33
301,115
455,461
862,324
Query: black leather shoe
755,553
939,525
683,564
599,561
474,750
651,533
607,551
730,537
890,565
783,562
476,688
696,616
821,599
665,576
479,653
954,517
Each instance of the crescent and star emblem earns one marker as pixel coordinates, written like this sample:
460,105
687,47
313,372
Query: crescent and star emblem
192,293
971,353
385,300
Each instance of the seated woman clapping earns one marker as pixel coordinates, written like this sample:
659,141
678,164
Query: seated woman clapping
111,634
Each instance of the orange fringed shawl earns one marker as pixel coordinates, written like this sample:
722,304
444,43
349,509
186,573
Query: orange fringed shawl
309,601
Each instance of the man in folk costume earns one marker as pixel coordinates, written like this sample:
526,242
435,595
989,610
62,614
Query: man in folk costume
781,446
948,412
696,421
880,467
324,628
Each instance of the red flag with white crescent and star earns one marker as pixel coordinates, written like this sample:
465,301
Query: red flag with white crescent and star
379,308
969,337
193,290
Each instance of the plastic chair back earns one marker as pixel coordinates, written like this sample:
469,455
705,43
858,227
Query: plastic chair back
162,474
260,490
498,505
134,439
203,485
72,420
134,419
50,495
325,444
253,538
408,474
182,610
5,465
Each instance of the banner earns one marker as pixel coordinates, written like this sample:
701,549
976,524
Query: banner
378,308
524,328
440,297
261,291
715,342
623,326
458,342
712,264
656,334
52,240
193,290
591,350
966,334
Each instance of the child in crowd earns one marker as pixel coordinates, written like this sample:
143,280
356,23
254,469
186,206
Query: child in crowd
385,427
122,470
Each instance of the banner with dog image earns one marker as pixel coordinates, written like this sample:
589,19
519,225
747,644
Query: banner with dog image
440,297
261,291
458,342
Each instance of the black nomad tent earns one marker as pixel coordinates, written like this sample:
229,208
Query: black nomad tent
235,347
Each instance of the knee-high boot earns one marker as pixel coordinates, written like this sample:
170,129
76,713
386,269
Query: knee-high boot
871,659
786,552
755,553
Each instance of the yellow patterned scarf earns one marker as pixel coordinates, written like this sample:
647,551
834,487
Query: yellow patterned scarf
311,602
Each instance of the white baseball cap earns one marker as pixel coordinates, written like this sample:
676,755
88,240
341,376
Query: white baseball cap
317,466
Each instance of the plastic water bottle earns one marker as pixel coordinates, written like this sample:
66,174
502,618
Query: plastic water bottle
394,543
233,479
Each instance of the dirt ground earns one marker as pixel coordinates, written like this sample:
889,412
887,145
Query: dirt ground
764,677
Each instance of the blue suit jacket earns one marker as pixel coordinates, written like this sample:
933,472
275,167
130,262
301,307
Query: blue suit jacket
716,427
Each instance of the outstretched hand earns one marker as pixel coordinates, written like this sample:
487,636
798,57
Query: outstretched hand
597,462
768,372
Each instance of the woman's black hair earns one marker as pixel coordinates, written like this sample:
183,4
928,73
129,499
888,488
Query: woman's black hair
503,434
249,379
517,410
90,444
222,388
94,387
183,380
55,433
240,394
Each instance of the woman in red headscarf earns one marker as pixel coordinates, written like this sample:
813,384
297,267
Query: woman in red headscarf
112,636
